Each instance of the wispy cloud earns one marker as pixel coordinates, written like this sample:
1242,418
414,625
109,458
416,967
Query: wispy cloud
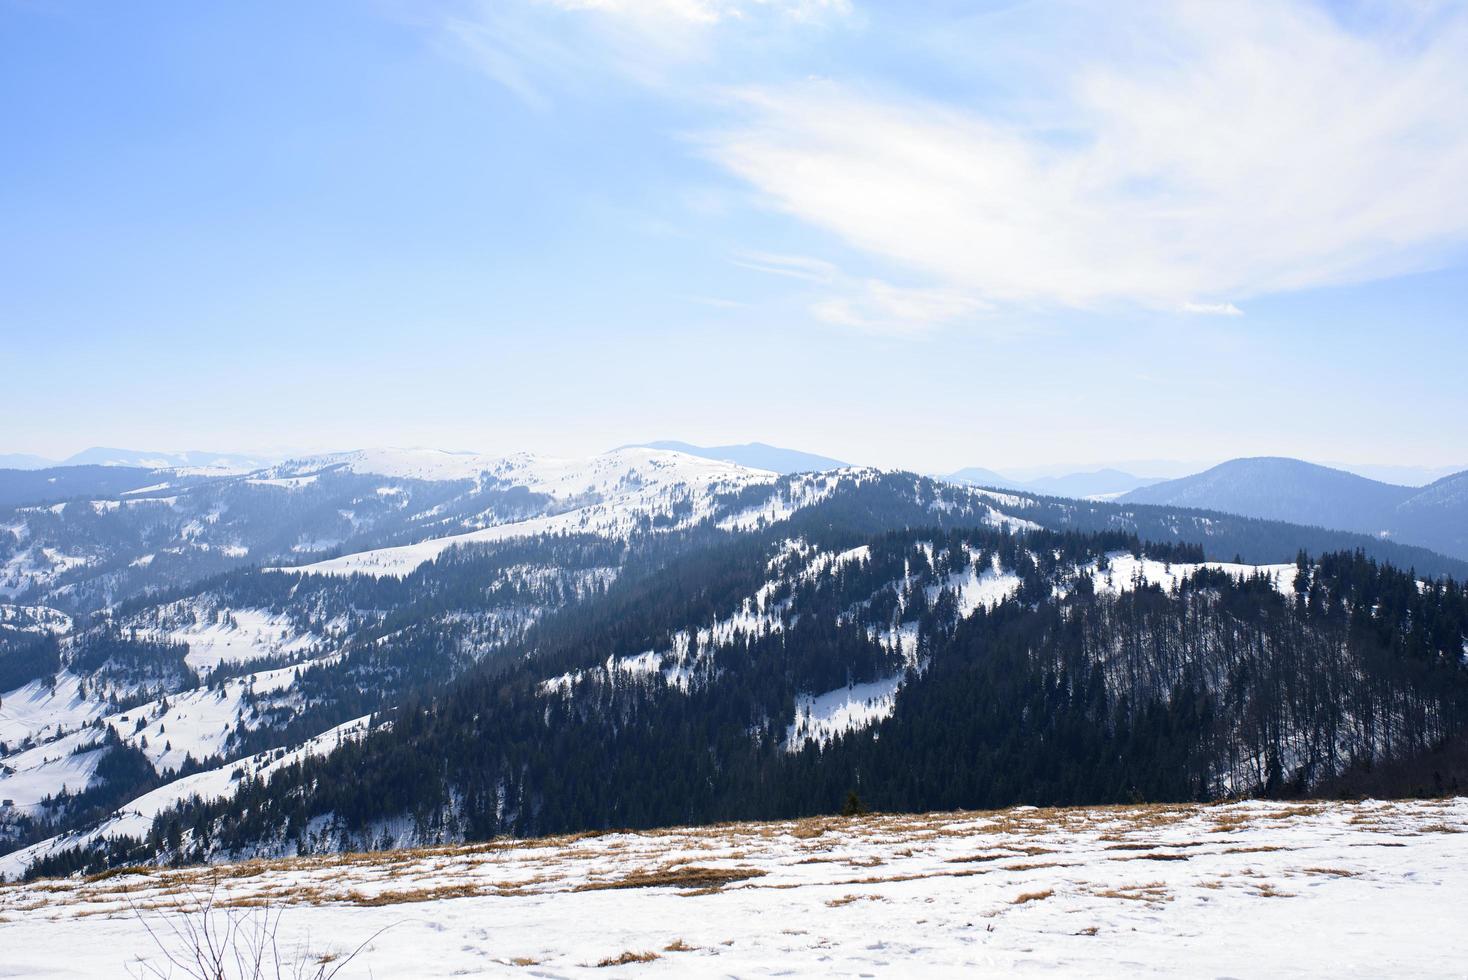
535,47
1260,147
867,304
708,11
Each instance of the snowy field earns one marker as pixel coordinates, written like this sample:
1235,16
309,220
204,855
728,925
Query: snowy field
1241,890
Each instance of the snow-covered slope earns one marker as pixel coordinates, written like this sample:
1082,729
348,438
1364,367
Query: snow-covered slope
1246,889
611,494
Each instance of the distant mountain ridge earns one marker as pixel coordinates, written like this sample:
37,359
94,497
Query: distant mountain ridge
139,458
756,455
1292,490
1101,483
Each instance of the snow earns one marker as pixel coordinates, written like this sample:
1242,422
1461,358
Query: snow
821,718
37,711
136,818
149,489
608,494
1123,570
219,635
1246,889
35,619
805,490
30,776
976,590
286,482
35,566
402,560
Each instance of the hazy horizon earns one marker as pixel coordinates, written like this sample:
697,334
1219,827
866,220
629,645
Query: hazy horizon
1158,469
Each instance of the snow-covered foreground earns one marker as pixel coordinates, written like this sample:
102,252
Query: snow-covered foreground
1247,889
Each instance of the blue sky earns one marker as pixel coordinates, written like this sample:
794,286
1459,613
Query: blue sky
927,235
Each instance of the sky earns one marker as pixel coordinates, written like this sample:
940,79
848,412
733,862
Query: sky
928,235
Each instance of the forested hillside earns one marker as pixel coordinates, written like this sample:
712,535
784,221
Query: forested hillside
920,669
645,638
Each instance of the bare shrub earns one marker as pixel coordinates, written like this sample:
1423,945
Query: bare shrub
203,938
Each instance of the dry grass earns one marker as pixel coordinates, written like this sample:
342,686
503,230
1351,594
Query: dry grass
408,896
1154,856
978,858
678,946
629,957
131,869
1033,897
1153,891
1037,866
807,829
1332,872
524,961
837,903
684,876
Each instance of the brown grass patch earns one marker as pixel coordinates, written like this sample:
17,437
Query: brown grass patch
686,876
837,903
1033,897
678,946
629,957
1154,856
1153,891
977,858
409,896
130,869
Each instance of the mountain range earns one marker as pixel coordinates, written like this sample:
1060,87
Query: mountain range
1099,484
400,646
104,456
1274,488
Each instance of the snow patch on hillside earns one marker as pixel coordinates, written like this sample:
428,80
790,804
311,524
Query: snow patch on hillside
1123,570
821,717
136,818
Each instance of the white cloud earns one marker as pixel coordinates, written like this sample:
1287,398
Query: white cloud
1266,148
1212,309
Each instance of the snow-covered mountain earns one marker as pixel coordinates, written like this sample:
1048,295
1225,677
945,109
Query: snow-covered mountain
183,638
84,551
756,455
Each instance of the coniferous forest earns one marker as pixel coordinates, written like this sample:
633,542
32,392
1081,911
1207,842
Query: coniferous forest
1005,666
